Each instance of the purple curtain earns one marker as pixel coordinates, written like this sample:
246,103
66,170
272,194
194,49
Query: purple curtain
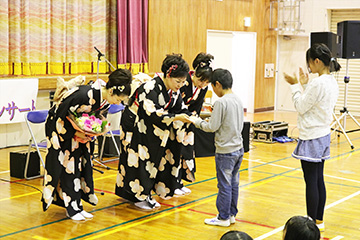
132,34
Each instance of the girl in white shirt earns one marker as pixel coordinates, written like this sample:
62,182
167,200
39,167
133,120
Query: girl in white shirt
315,106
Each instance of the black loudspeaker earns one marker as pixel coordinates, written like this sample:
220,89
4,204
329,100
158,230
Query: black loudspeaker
348,39
204,141
327,38
246,136
17,164
109,148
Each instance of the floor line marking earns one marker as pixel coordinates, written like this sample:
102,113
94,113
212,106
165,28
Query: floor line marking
119,227
341,178
251,160
327,207
4,171
340,155
302,178
40,238
19,196
327,175
213,214
31,193
238,220
245,186
342,200
337,238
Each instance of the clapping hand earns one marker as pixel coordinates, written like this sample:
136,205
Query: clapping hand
303,77
291,79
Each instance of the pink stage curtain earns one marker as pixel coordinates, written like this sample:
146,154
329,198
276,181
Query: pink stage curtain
56,37
132,35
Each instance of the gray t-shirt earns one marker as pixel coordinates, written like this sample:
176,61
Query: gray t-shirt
226,121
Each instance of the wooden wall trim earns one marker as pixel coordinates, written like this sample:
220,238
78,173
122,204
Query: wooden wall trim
265,109
49,82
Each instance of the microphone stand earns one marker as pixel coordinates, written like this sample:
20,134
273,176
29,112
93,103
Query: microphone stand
100,54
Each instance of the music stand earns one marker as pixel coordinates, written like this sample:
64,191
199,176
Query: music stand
100,54
345,112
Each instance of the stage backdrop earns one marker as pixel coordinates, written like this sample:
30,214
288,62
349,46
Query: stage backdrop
17,96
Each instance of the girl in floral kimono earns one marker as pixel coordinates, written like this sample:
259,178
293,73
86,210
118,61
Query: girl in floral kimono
154,127
68,169
193,94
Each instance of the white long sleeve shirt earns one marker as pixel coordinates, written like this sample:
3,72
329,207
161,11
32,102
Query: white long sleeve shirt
315,106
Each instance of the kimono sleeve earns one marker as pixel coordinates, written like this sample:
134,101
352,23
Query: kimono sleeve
152,107
78,102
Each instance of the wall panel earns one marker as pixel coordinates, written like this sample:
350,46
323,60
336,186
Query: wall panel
180,26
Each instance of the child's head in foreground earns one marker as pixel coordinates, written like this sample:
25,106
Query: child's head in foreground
301,228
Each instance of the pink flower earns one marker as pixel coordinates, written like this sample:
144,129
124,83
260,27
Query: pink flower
90,123
87,127
87,122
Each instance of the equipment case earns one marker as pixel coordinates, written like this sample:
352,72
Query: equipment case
265,131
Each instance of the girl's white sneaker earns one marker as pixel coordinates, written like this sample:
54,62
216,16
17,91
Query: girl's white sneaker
78,217
86,214
186,190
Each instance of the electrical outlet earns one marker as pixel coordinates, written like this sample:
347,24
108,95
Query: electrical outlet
269,70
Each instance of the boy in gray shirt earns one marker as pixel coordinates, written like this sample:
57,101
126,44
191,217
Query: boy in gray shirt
226,121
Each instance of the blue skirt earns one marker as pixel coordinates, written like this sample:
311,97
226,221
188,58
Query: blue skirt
314,150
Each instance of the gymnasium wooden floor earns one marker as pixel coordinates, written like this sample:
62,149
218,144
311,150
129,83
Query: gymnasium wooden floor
271,191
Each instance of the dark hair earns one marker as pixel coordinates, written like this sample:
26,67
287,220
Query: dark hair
175,66
222,76
118,78
323,53
201,65
301,228
236,235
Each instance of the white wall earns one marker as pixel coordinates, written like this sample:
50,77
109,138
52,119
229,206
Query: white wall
291,53
319,9
291,56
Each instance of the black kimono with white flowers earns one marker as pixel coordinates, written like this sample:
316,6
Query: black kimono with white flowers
151,143
68,169
193,99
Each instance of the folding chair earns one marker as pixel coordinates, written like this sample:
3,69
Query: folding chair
114,108
35,117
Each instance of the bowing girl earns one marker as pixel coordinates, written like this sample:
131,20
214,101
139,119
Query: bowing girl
153,129
193,93
68,169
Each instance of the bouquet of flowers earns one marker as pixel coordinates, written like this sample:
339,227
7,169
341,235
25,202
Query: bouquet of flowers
88,124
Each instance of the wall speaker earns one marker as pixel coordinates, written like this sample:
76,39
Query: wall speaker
348,39
327,38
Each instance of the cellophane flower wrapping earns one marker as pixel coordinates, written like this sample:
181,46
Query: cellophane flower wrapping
88,123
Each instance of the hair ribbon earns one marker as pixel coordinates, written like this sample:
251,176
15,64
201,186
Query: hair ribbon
120,88
173,67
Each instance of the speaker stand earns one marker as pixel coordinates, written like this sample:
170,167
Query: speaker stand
345,112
